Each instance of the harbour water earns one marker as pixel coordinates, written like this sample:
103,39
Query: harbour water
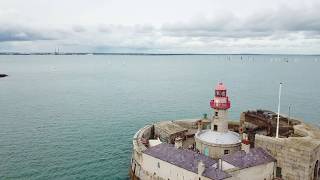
73,117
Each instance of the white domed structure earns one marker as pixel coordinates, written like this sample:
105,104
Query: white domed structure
218,140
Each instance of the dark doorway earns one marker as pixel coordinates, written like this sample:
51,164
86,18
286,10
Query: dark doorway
278,172
215,127
316,171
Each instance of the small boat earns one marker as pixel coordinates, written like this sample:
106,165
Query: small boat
3,75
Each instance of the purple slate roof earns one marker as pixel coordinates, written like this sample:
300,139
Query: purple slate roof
186,159
255,157
216,174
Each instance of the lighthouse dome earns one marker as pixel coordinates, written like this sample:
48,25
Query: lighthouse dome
214,137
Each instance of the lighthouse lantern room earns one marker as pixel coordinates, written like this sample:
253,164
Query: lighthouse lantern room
221,100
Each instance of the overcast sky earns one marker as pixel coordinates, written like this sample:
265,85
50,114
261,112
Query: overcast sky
161,26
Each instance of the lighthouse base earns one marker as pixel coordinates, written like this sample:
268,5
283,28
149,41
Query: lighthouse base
216,144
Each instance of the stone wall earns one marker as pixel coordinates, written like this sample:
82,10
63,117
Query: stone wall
188,123
263,171
314,158
296,162
138,148
168,137
164,136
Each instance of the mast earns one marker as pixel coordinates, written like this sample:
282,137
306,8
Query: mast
289,114
278,117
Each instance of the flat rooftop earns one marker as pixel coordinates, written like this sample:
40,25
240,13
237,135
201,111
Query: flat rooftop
255,157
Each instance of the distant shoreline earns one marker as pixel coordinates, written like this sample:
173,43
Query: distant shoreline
149,54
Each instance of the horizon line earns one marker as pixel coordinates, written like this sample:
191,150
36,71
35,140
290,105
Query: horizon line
142,53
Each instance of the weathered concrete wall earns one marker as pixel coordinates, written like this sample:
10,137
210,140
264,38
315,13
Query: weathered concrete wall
264,171
138,148
187,123
296,162
314,158
153,168
166,136
310,141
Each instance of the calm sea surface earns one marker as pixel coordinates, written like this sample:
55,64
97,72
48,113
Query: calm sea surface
73,117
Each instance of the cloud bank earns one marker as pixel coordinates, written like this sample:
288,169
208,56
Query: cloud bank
284,29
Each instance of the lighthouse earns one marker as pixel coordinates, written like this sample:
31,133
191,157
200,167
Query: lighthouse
220,105
218,140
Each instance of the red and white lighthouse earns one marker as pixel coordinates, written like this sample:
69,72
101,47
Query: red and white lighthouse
218,140
220,104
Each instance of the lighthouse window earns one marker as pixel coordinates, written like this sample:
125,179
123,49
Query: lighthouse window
218,93
216,113
215,127
226,151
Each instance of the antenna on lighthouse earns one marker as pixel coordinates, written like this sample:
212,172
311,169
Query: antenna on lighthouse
278,117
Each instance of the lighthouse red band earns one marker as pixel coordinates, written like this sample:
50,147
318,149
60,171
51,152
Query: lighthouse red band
220,100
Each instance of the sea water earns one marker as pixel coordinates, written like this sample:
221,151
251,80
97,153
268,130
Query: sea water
73,117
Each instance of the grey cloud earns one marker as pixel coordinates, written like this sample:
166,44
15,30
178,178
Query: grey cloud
262,24
78,28
22,33
268,29
104,28
135,29
312,35
143,29
18,34
286,19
